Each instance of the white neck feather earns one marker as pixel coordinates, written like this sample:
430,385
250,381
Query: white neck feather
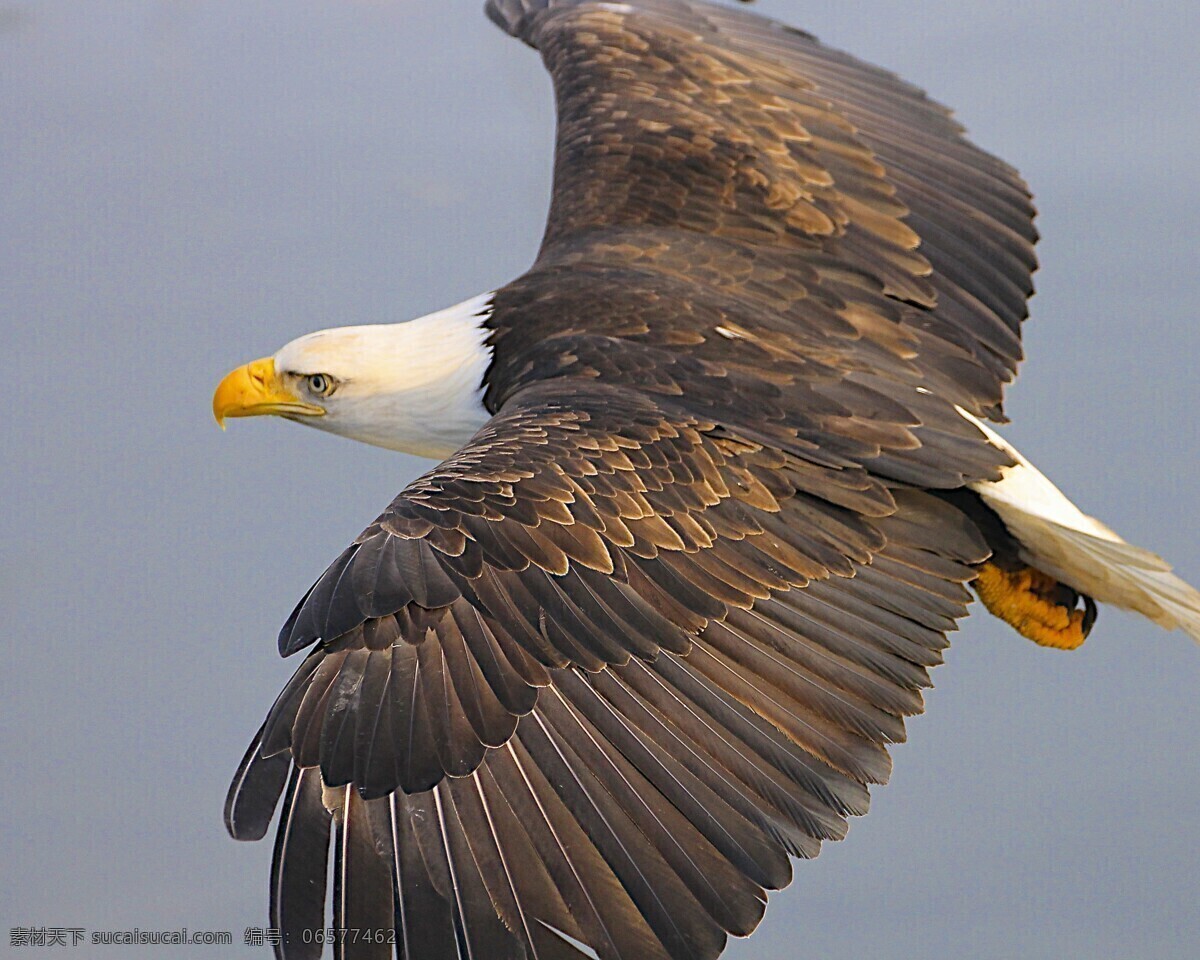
416,387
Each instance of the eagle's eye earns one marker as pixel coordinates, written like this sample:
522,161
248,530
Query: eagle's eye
320,385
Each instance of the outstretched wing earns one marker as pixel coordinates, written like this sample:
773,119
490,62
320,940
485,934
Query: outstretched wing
703,145
590,682
599,673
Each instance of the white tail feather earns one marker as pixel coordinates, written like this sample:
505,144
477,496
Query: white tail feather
1080,551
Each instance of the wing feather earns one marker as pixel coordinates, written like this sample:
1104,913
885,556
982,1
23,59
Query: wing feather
299,866
255,790
363,917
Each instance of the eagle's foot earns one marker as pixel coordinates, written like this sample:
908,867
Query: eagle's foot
1036,605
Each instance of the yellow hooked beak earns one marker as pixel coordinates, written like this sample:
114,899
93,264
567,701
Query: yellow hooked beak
255,390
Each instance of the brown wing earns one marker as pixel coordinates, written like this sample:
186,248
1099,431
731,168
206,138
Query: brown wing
841,211
601,672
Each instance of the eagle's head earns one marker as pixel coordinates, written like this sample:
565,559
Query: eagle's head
416,387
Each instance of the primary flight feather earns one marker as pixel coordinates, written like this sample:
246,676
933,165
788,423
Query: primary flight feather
716,481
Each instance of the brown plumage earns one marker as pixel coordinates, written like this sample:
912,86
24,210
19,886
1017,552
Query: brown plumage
598,675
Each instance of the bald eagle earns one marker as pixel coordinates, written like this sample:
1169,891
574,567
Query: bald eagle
716,478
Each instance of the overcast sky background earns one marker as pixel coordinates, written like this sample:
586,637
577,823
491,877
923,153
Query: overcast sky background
185,186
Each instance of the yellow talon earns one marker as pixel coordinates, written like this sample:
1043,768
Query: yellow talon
1024,598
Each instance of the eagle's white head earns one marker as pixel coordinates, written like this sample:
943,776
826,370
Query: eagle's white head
416,387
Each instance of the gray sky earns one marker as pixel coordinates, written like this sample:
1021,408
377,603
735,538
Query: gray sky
186,186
